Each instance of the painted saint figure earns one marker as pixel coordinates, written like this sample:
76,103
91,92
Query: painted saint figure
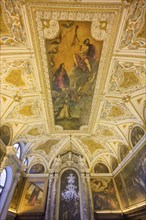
34,194
60,79
86,56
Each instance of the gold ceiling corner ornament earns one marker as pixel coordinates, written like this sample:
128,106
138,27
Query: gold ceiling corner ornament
17,97
33,132
107,132
47,146
26,110
115,111
4,98
126,98
127,76
15,77
92,145
129,80
17,74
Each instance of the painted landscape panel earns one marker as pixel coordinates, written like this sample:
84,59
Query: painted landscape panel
73,60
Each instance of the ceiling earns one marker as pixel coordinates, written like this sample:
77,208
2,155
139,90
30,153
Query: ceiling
95,109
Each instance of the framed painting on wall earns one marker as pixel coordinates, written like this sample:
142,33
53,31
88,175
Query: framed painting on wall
34,195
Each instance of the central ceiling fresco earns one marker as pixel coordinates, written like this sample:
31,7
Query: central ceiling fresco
73,60
74,52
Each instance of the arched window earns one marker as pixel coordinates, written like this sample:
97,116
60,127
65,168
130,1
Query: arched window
18,149
25,161
3,179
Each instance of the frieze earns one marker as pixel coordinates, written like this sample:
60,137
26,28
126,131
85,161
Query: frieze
66,5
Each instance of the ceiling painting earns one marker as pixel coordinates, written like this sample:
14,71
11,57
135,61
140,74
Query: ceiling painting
73,60
76,45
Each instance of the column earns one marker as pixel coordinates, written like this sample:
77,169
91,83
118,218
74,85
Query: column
90,204
84,198
9,197
48,202
53,198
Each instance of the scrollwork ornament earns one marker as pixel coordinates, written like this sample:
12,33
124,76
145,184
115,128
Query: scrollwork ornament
53,29
96,31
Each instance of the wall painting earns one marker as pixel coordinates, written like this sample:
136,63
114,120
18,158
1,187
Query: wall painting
104,194
5,134
101,168
34,195
37,168
136,134
17,194
131,182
